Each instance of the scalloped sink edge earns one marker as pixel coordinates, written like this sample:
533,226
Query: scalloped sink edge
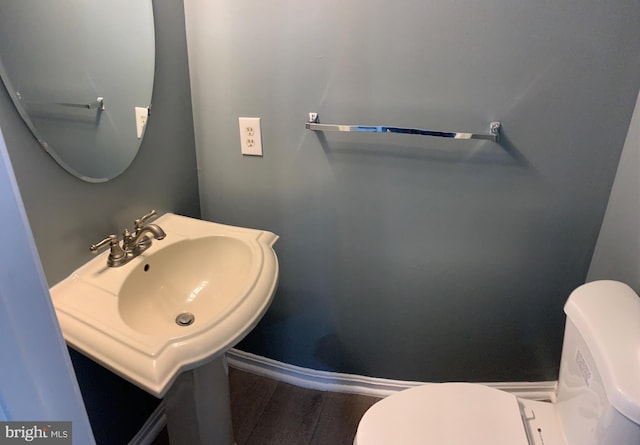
88,309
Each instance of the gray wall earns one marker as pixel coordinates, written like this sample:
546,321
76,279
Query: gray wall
401,256
67,215
617,254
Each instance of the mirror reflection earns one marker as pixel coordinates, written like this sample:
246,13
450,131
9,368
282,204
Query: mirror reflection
80,73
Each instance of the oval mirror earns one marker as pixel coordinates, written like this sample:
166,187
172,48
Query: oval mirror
80,73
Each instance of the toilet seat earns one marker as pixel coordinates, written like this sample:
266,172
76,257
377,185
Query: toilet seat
444,414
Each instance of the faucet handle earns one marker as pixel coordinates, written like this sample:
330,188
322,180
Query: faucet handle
117,256
110,240
143,219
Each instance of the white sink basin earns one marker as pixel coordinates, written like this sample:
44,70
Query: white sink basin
203,277
218,280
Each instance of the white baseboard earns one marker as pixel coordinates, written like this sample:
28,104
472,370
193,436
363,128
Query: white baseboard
334,382
151,427
357,384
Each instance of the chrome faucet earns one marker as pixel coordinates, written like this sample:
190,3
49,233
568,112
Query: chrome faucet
133,244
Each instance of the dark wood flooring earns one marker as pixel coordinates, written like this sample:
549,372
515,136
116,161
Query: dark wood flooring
267,412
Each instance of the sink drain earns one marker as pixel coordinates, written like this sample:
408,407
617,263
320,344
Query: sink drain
185,319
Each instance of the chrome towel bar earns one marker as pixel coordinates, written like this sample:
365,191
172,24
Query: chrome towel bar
97,104
315,125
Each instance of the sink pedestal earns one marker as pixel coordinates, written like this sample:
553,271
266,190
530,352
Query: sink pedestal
179,304
198,406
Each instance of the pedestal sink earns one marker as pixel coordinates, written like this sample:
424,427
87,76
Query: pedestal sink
170,314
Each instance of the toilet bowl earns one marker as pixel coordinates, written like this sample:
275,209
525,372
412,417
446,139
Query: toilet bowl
597,400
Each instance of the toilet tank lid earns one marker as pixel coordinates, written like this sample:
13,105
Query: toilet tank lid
607,316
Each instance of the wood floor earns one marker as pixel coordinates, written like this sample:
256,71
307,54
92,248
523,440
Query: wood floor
267,412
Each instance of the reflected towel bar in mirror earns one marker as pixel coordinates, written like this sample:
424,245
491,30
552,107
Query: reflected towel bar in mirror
315,125
98,103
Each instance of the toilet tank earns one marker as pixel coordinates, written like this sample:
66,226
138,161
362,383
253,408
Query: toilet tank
598,397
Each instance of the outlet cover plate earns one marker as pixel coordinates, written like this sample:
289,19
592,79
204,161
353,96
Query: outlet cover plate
250,136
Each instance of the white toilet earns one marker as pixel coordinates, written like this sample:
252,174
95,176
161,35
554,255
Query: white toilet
597,399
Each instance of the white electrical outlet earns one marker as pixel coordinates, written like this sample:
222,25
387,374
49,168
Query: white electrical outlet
250,136
141,120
